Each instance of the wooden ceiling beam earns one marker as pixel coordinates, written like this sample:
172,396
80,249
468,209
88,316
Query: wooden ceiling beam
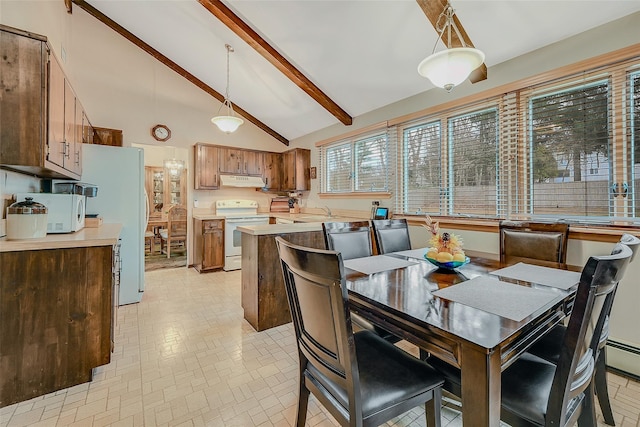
253,39
432,9
173,66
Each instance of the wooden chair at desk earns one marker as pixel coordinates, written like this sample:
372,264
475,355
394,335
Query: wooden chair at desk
539,241
536,392
176,230
362,379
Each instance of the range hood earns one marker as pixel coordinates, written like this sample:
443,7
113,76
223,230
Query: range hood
241,181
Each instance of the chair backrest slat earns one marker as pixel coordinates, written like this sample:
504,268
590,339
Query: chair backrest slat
540,241
391,235
351,239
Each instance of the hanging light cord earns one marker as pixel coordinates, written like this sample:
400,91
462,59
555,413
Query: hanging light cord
227,101
447,13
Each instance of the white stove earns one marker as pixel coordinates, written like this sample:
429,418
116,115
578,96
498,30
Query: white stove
237,213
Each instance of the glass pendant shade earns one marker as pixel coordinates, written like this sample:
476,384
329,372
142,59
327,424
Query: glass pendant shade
227,124
450,67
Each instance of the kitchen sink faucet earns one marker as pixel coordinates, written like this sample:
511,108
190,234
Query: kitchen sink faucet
327,210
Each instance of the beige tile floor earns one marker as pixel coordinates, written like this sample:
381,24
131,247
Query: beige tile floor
185,357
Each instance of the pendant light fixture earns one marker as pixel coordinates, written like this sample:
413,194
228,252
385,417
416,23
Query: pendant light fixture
228,123
452,66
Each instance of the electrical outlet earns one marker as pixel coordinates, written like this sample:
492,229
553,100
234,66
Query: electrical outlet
375,203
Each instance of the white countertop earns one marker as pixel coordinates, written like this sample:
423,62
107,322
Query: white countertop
105,235
266,229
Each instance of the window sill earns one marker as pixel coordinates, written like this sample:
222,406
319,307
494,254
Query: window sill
596,233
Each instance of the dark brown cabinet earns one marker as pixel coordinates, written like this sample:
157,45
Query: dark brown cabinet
39,112
55,323
209,244
253,162
272,170
206,167
296,165
288,171
231,161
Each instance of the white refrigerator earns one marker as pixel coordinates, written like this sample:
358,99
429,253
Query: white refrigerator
119,174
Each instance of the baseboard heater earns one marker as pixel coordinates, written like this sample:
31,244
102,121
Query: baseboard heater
624,359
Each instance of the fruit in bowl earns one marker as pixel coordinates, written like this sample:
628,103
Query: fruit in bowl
446,251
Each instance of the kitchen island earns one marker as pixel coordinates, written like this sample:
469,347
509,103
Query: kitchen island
57,310
264,299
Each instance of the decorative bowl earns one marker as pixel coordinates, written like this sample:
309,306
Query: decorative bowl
449,265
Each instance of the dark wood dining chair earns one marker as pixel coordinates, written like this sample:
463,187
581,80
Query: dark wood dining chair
362,379
548,347
536,392
353,240
522,241
391,235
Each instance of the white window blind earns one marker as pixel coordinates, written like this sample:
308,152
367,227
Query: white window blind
569,142
371,161
339,167
358,165
473,163
422,176
634,137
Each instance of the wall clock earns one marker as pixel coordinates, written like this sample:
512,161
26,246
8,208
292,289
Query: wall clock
161,132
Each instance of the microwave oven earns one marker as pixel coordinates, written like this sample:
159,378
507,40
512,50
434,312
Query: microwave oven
65,212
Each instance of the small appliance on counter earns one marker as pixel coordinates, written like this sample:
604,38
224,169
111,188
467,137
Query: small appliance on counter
65,211
63,186
26,220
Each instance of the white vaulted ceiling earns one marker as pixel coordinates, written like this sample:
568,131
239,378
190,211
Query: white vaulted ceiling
362,54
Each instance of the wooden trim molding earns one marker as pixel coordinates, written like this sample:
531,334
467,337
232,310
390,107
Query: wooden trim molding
609,58
355,132
368,195
606,234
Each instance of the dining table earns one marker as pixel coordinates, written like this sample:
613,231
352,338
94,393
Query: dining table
479,317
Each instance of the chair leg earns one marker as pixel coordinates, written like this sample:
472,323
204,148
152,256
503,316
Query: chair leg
587,416
168,248
303,401
600,382
432,409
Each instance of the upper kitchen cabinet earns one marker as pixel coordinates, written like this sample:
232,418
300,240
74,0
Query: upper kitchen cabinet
272,171
295,170
231,161
36,96
206,167
236,161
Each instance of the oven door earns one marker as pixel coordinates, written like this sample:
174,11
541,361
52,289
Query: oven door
233,240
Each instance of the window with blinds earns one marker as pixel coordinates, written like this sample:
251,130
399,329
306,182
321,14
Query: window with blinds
566,146
570,161
634,136
339,168
422,172
360,165
473,163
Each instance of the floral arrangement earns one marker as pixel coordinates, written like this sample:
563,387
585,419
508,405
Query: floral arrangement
444,247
